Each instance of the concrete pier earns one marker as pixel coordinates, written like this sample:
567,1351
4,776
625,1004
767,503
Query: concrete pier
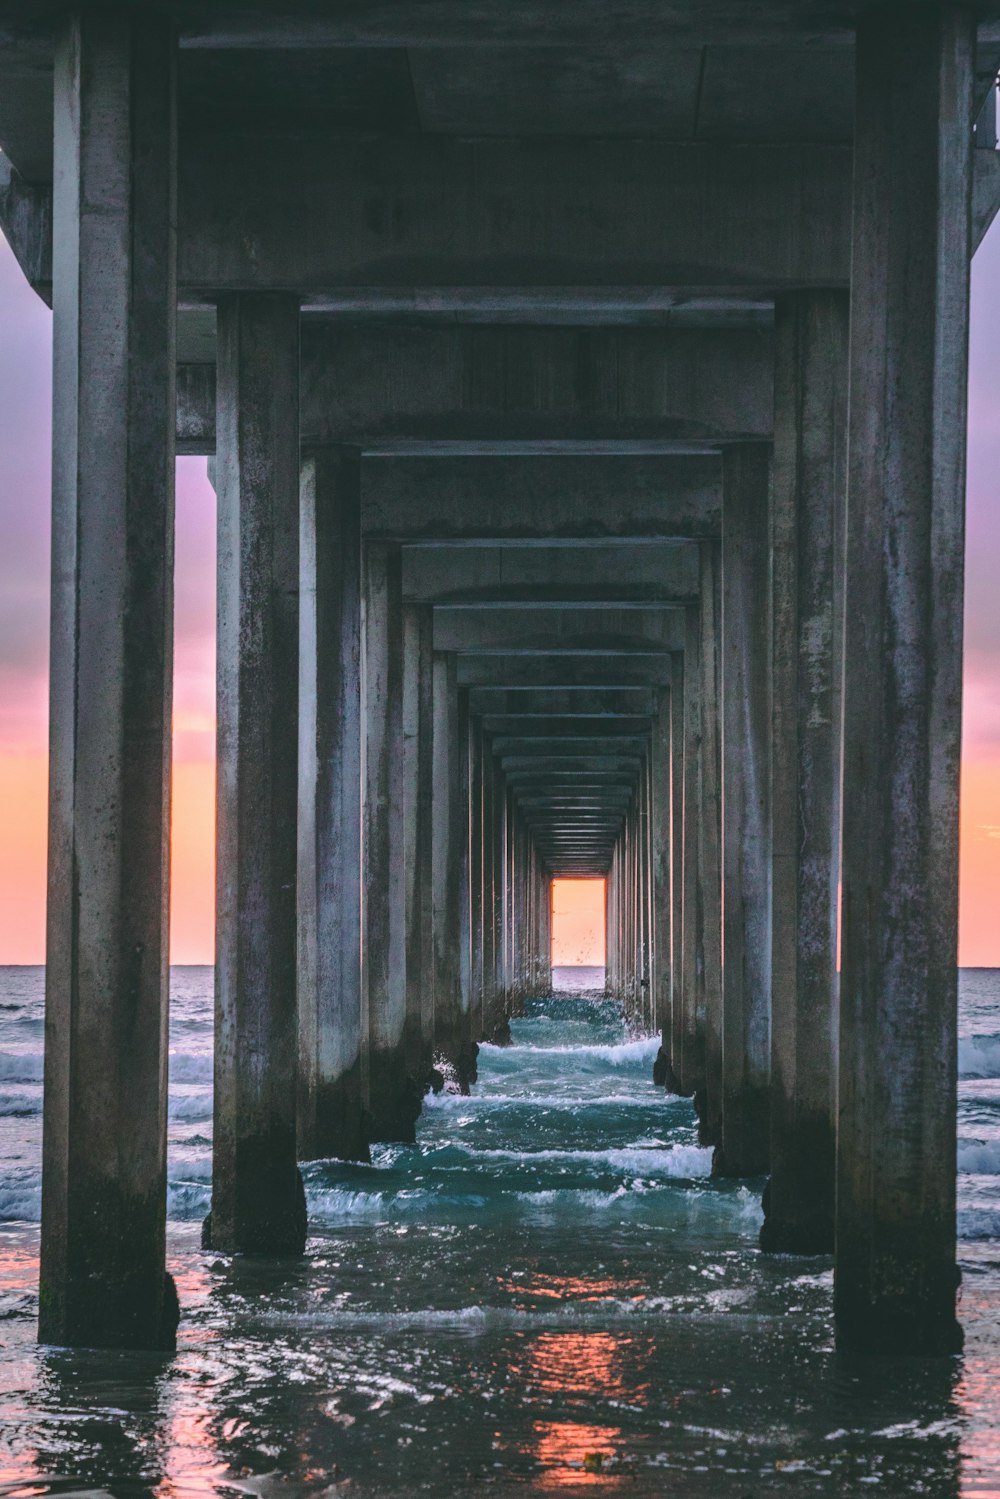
491,349
896,1277
392,1092
330,1110
809,492
746,775
258,1204
103,1276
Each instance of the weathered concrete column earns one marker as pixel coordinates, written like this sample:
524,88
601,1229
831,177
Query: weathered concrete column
477,1012
810,453
450,835
103,1281
660,861
686,1023
393,1094
258,1205
708,790
330,1120
491,1014
678,690
418,760
895,1230
746,974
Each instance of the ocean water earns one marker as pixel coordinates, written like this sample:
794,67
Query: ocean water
545,1294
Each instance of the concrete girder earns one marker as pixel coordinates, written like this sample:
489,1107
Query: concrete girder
568,702
643,669
650,571
544,497
400,212
575,628
546,725
383,387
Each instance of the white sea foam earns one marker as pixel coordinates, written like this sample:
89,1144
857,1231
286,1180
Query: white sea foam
979,1056
190,1067
623,1054
683,1161
21,1066
979,1157
190,1108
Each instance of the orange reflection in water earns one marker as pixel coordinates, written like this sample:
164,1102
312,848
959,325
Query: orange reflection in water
570,1452
563,1370
567,1287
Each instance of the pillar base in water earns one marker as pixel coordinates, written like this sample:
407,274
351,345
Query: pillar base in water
917,1327
664,1076
806,1230
338,1128
748,1163
114,1316
708,1130
274,1224
395,1099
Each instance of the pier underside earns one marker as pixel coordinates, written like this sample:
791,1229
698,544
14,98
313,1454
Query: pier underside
584,394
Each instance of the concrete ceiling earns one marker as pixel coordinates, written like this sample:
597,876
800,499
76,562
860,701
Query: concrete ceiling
678,70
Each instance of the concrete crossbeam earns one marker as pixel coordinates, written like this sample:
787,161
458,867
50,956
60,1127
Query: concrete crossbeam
651,572
495,386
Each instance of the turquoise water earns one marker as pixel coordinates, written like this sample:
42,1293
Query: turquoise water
545,1293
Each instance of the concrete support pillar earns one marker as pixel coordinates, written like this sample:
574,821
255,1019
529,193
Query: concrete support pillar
686,1023
393,1093
660,862
418,762
477,1012
708,789
330,1104
810,452
450,837
103,1281
258,1205
491,1014
895,1229
677,716
746,978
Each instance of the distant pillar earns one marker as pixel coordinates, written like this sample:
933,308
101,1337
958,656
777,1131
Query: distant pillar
660,859
708,790
450,834
810,452
476,988
895,1231
418,754
258,1205
330,1106
678,689
393,1093
103,1281
491,1015
746,977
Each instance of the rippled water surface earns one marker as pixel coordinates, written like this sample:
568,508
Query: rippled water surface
546,1293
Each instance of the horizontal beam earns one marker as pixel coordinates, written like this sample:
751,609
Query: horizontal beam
377,387
573,627
652,669
567,702
649,571
543,498
575,727
386,213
